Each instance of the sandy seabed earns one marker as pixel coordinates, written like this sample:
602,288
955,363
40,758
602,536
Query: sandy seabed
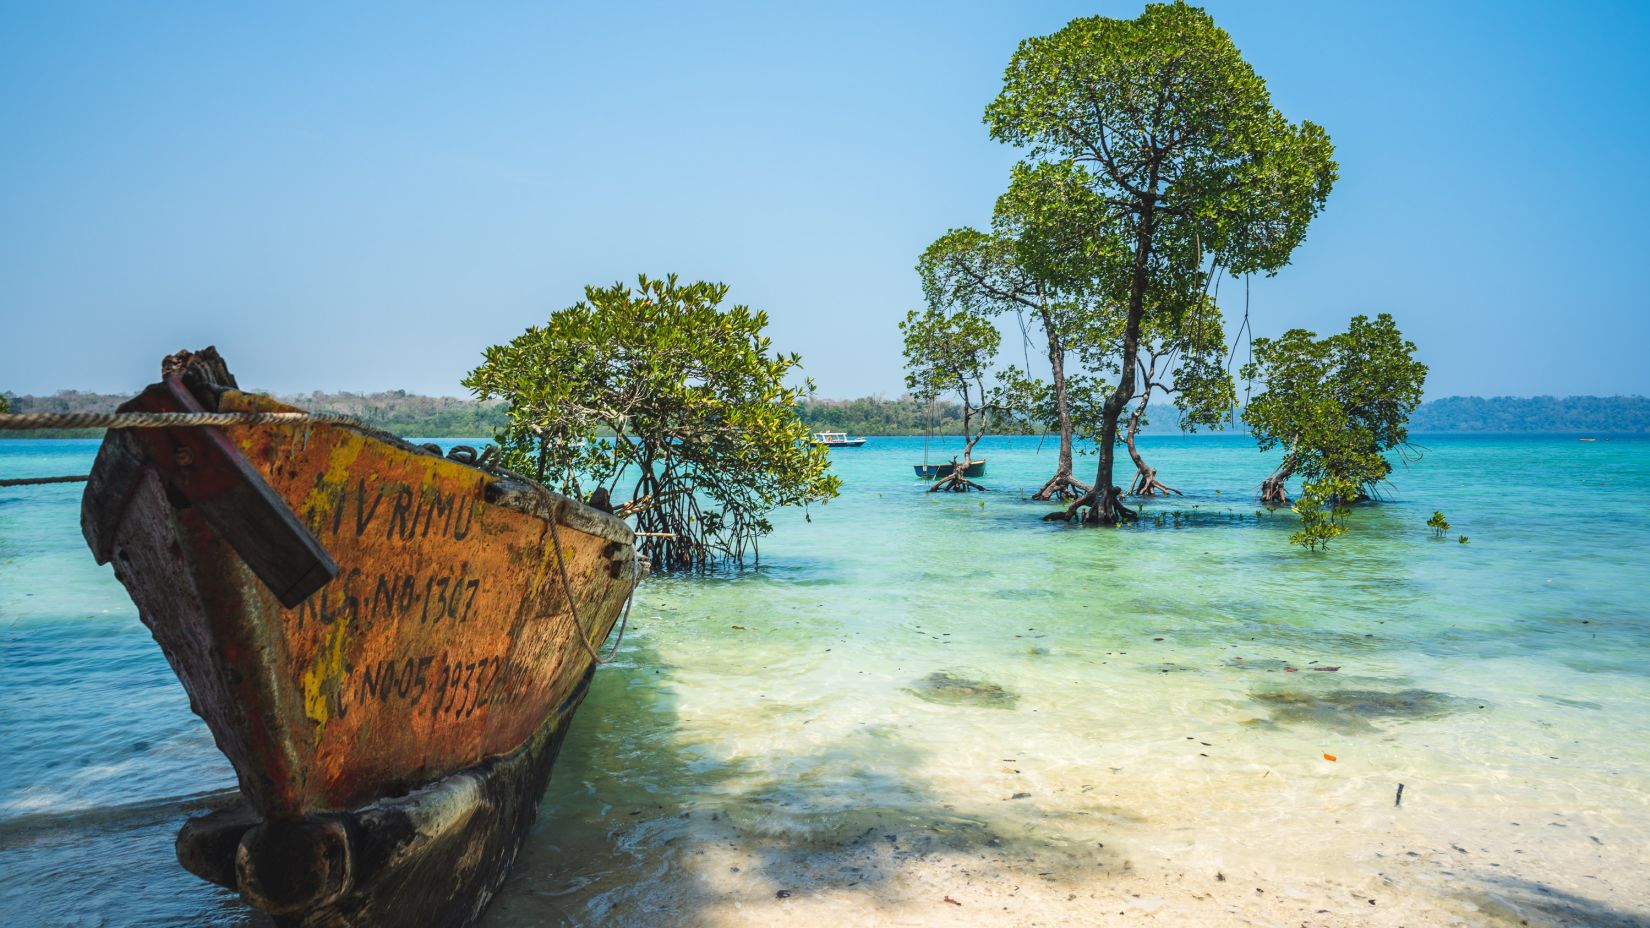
1169,833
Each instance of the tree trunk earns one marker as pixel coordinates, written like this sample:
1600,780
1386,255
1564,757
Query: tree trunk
1103,508
1145,478
1061,485
955,482
1272,492
1104,502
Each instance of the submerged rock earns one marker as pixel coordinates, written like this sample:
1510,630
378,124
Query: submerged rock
1352,710
1572,703
1268,664
948,689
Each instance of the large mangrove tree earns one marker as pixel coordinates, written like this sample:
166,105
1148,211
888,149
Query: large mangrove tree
1156,139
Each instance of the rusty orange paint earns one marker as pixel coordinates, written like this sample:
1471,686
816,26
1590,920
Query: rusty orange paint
446,637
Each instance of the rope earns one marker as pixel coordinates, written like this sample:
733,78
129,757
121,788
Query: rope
162,420
572,607
36,481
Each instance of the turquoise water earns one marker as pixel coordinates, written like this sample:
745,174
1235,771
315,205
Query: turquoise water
921,697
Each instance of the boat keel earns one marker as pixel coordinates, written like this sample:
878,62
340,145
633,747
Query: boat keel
434,857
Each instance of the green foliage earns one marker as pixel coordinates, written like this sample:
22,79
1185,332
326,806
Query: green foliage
1322,510
1205,394
1183,355
1161,112
1438,524
977,273
703,428
5,404
419,415
948,352
412,414
909,415
1022,403
1052,213
1462,539
1336,405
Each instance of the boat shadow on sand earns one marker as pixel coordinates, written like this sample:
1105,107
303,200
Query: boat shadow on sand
1501,899
642,826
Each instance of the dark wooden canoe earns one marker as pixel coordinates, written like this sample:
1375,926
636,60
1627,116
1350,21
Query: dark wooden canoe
378,637
936,471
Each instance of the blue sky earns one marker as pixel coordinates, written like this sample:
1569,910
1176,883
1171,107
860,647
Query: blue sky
356,196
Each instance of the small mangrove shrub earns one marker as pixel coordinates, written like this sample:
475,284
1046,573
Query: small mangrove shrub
667,406
1322,509
1438,524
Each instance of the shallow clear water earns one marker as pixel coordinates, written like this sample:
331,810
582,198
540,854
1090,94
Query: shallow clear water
921,697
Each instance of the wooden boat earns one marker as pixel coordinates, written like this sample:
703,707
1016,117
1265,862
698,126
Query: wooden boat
837,440
936,471
385,642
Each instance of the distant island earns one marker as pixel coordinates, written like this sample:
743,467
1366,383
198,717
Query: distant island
1533,414
397,411
414,415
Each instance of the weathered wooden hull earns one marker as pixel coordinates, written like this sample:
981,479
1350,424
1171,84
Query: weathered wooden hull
936,471
437,855
442,659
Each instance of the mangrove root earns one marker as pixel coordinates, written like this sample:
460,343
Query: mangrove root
1272,492
1095,509
1062,487
1147,484
954,482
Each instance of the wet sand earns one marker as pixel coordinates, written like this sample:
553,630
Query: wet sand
1090,805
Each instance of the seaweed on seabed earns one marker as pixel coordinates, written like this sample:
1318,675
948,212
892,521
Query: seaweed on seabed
1350,710
949,689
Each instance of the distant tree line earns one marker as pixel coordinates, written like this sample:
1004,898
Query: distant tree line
397,411
1534,414
411,414
63,401
874,415
414,415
